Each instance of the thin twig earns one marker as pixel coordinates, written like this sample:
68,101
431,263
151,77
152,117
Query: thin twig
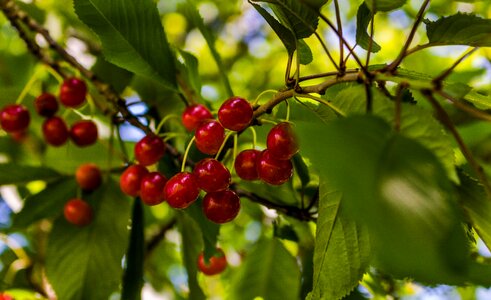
370,41
340,30
324,46
438,80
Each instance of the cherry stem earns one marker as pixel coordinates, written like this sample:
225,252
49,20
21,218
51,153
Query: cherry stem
185,157
55,74
171,135
223,144
320,100
267,121
234,151
28,86
263,93
122,145
287,110
254,137
165,119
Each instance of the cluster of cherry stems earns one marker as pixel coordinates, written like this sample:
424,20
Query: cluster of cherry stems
220,204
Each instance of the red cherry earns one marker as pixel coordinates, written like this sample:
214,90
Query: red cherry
4,296
209,137
46,105
216,265
281,141
222,206
55,131
181,190
14,117
212,175
88,176
273,171
130,180
235,114
78,212
151,187
72,92
195,114
84,133
149,150
246,164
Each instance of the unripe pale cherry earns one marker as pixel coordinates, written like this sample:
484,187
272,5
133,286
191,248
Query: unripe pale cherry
246,164
84,133
72,92
193,115
281,141
151,187
55,131
149,150
130,180
216,265
78,212
14,117
181,190
222,206
88,176
209,137
273,171
212,175
235,114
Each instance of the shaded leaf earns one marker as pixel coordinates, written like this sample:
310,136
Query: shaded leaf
384,5
132,36
460,29
266,272
209,230
86,262
304,53
363,18
118,77
11,173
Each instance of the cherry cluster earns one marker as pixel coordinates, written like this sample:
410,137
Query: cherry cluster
15,118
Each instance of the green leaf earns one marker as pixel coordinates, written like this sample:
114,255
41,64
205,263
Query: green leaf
460,29
192,245
45,204
398,189
304,53
119,78
192,14
11,173
363,18
133,273
342,249
269,271
384,5
479,100
132,36
189,67
86,262
477,206
300,18
209,230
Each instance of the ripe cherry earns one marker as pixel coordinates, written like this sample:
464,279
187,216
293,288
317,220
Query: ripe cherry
181,190
149,150
55,131
195,114
222,206
151,187
84,133
46,105
235,114
130,180
273,171
209,137
281,141
72,92
246,164
212,175
88,176
14,117
4,296
216,265
78,212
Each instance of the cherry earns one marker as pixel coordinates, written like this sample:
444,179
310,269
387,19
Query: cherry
209,137
149,150
222,206
195,114
235,114
88,176
46,105
181,190
216,265
78,212
72,92
4,296
246,164
273,171
84,133
55,131
151,187
130,180
14,117
212,175
281,141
